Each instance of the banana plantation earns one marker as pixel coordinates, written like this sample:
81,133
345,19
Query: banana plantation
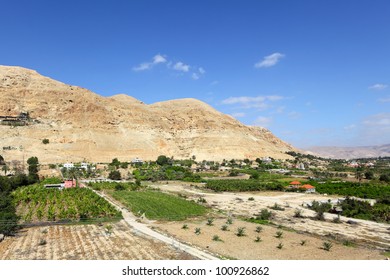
39,204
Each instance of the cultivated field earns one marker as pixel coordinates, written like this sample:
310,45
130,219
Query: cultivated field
245,247
85,242
361,234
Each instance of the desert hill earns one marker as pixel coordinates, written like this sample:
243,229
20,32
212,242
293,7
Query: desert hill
352,152
82,125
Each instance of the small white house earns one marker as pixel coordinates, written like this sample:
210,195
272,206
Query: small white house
68,165
137,160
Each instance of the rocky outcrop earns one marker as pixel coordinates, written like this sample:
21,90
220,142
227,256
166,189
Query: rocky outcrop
82,125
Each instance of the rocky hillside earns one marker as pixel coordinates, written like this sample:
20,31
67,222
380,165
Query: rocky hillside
81,125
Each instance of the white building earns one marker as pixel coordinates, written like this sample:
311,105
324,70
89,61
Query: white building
137,160
68,165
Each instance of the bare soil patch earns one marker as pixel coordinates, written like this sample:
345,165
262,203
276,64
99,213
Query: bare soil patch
85,242
245,247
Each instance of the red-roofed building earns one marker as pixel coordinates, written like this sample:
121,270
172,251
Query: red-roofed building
295,184
308,188
70,183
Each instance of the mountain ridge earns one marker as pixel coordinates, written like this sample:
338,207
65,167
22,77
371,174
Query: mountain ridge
82,125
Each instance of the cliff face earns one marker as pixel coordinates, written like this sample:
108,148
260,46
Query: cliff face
82,125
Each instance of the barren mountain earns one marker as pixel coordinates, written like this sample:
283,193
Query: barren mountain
81,125
352,152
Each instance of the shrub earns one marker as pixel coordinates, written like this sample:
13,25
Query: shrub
259,229
264,214
114,175
224,227
327,246
229,221
251,198
201,200
185,226
197,231
280,246
303,242
45,141
258,239
279,234
210,221
298,213
120,187
216,238
240,231
42,242
277,207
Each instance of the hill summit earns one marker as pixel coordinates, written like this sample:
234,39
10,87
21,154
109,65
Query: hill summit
81,125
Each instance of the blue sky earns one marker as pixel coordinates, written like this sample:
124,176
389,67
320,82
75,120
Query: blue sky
313,72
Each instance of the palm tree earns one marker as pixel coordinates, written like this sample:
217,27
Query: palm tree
5,169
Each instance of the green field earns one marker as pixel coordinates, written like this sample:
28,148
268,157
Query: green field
242,185
38,204
159,206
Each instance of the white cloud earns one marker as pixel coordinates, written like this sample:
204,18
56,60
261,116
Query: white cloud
252,102
195,76
269,60
378,87
378,120
384,100
262,121
238,115
180,66
158,58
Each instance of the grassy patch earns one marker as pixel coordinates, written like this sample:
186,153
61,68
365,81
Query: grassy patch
159,206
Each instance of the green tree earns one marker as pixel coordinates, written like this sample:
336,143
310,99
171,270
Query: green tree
384,178
162,160
369,175
115,175
33,170
5,169
115,162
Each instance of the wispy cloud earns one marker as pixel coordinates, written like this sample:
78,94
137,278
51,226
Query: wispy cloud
158,58
260,102
180,66
262,121
384,100
375,129
269,60
350,127
378,87
294,115
196,75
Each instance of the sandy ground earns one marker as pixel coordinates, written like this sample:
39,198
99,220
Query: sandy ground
85,242
245,247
